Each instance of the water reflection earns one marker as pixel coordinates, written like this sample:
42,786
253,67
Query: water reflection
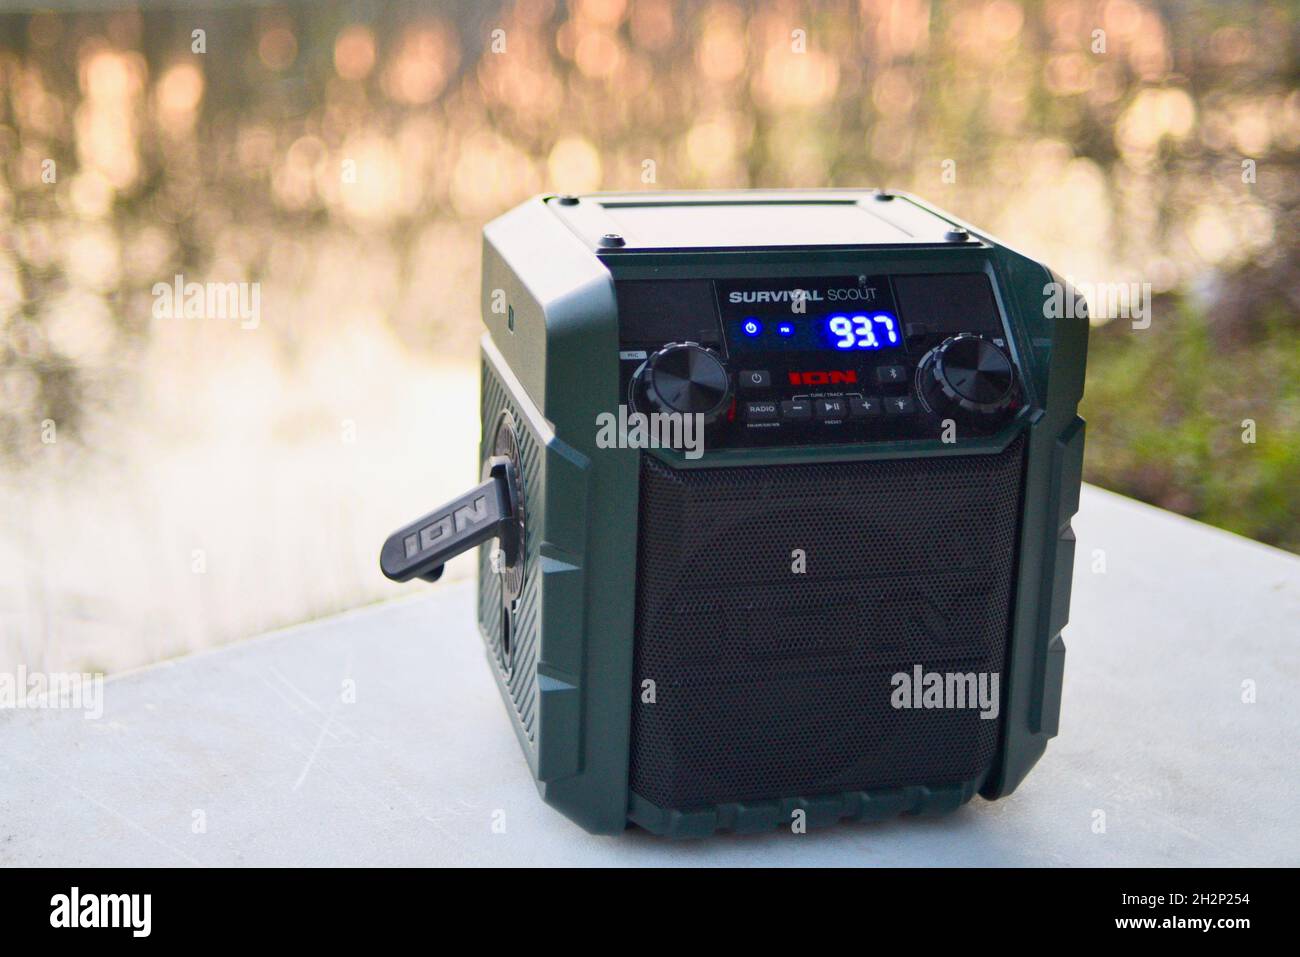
169,483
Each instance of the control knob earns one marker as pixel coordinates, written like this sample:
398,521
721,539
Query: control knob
968,376
683,377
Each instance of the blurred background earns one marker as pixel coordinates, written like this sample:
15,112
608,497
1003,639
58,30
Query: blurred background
168,484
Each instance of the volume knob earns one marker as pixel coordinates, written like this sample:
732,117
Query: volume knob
684,377
970,375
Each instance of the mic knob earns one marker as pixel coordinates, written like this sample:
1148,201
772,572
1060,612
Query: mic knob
684,377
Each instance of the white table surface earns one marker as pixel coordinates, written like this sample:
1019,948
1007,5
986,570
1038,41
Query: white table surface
1154,735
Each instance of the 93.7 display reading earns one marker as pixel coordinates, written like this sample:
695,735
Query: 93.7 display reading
842,332
861,331
830,314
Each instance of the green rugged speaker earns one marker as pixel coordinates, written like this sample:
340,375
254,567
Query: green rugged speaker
775,505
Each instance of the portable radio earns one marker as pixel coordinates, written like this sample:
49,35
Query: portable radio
775,505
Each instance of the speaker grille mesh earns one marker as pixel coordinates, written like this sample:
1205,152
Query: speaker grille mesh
771,684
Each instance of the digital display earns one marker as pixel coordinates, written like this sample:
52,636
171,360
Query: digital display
839,331
862,331
845,314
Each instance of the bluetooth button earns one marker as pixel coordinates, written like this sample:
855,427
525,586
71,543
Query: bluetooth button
891,375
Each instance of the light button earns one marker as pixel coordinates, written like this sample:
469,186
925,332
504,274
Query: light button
900,405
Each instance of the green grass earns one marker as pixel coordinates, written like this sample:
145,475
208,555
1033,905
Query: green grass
1165,409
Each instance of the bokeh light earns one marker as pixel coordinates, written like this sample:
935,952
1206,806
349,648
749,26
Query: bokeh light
346,158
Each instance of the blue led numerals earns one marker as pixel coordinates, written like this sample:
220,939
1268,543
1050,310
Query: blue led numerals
862,332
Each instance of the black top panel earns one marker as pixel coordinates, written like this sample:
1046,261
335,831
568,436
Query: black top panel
612,223
752,225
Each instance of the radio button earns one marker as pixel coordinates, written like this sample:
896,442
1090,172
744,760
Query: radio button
865,406
831,408
760,411
754,380
796,410
891,375
900,405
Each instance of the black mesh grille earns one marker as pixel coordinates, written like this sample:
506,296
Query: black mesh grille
770,684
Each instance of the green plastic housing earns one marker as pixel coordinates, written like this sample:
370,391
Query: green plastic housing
550,359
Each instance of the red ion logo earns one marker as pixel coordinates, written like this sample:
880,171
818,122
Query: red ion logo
824,377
